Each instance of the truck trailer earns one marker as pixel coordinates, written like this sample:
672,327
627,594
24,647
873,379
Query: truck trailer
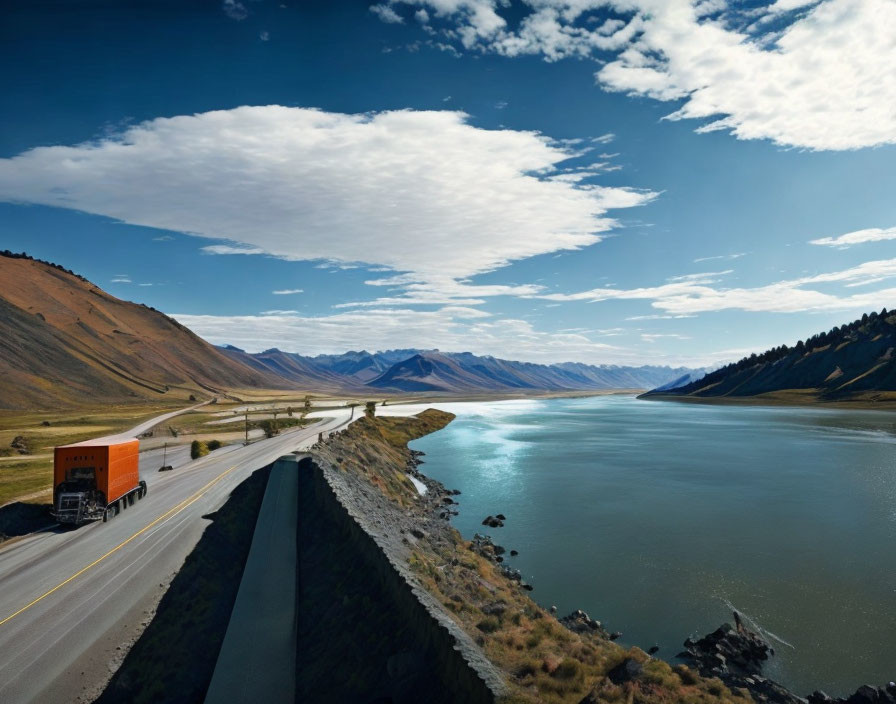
96,479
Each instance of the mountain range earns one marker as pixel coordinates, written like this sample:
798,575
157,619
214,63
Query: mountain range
855,361
66,342
421,371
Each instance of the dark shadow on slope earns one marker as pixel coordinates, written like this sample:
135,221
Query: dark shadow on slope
356,642
174,659
20,519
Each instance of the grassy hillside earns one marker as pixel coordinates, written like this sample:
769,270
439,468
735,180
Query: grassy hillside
853,362
68,343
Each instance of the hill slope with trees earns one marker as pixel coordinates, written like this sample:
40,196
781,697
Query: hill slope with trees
848,363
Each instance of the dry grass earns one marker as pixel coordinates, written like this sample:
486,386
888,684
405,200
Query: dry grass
29,475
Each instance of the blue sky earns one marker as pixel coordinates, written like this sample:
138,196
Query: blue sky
535,180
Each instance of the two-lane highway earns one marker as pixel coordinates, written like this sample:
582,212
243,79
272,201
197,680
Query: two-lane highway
70,597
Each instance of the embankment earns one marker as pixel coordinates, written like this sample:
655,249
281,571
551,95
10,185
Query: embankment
366,631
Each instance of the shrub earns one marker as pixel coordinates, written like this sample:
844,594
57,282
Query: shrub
568,669
489,624
270,428
198,449
214,445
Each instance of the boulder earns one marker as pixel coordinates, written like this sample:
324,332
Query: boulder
729,650
626,671
580,622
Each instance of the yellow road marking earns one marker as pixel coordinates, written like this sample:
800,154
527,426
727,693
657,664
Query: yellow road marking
177,509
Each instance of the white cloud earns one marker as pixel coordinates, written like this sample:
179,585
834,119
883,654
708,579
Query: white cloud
695,295
265,36
819,78
121,279
163,238
287,291
873,234
422,192
451,328
231,249
653,337
235,10
706,277
386,14
738,255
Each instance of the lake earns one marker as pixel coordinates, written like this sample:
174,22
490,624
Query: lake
658,518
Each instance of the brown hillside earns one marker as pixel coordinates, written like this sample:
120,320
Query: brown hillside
67,342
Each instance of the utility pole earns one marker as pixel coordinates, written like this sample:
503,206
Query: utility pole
247,427
165,455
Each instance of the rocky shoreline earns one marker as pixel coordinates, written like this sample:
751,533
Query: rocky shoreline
736,655
732,653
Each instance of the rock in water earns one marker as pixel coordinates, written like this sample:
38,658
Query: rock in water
729,650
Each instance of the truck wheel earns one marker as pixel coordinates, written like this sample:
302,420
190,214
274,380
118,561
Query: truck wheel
131,499
105,515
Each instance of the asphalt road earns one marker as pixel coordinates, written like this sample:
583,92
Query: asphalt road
70,597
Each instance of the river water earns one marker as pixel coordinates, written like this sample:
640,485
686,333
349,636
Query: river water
658,518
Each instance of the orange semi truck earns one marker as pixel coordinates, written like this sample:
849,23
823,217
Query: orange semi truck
95,479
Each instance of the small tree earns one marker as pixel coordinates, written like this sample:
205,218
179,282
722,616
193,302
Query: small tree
289,411
198,449
307,404
370,409
270,427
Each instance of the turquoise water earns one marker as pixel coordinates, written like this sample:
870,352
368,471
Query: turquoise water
657,518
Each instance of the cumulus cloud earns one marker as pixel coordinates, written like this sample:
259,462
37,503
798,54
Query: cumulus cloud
816,75
420,192
873,234
695,293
